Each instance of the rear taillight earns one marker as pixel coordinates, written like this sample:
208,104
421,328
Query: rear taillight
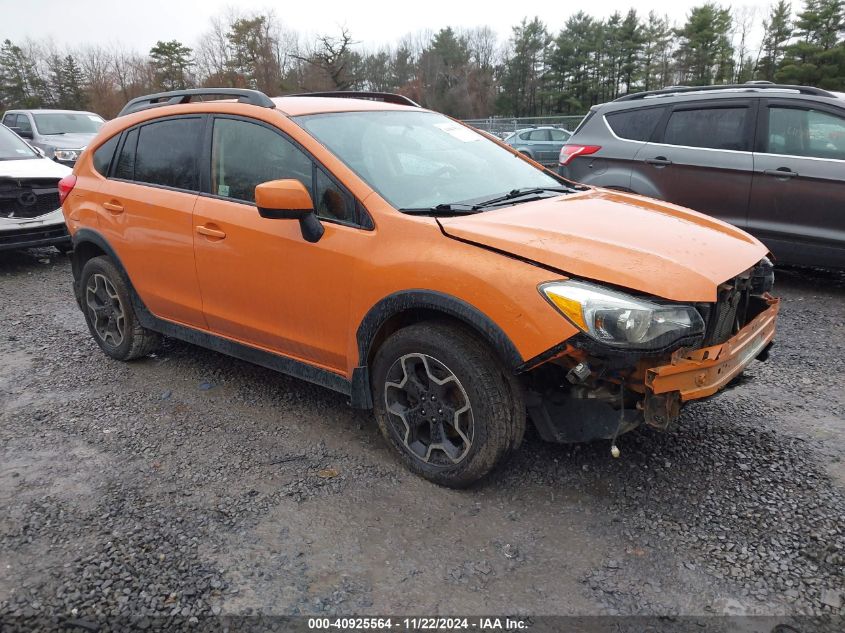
568,152
66,185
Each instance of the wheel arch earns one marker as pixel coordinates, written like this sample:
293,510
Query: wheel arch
413,306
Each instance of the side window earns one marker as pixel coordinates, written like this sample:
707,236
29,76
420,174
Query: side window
812,133
24,124
103,155
167,153
539,135
525,136
715,128
244,155
635,125
332,202
125,167
559,135
10,120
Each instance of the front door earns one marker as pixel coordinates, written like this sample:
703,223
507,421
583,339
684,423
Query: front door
702,159
797,196
262,283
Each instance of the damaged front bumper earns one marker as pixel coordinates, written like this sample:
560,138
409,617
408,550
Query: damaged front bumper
692,375
618,397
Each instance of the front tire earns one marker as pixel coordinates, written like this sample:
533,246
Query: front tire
446,403
111,319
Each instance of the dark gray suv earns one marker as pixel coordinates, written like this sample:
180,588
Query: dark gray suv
767,158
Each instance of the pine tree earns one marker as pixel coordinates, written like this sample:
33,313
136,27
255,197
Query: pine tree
20,84
171,62
817,56
705,54
777,31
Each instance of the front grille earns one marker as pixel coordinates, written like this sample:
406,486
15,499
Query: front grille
28,197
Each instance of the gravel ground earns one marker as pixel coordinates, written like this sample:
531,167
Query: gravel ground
189,484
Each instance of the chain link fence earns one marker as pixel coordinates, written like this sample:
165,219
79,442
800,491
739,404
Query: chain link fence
502,126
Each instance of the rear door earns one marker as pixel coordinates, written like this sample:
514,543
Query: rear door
798,192
146,209
701,158
540,142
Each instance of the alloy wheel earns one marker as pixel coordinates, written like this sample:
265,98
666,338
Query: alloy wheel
429,409
105,309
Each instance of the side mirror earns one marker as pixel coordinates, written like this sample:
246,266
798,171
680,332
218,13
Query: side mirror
27,134
289,200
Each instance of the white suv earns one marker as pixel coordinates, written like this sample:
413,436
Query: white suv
30,205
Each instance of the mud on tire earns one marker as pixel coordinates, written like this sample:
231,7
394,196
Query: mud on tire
446,403
107,306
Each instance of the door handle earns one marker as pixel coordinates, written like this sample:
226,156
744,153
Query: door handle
659,161
114,207
210,231
781,172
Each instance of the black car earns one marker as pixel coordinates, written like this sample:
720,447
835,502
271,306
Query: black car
768,158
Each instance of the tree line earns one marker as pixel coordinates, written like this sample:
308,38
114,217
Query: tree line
466,73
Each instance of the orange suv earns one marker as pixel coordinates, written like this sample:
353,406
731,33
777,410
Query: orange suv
426,270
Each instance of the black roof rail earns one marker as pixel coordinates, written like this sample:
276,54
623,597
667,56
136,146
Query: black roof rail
243,95
750,86
387,97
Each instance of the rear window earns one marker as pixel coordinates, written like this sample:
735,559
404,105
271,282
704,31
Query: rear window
714,128
635,125
103,155
167,153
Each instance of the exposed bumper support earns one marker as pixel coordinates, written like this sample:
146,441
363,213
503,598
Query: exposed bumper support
703,372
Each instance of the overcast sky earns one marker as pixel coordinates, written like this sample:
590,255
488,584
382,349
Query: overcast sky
139,24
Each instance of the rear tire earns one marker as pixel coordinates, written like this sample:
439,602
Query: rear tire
107,306
446,403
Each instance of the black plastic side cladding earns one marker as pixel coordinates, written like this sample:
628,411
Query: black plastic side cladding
409,300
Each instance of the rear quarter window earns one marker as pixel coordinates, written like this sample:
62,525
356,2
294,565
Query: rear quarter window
635,125
104,154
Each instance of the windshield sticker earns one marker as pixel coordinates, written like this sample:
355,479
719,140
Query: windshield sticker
223,190
459,132
94,118
21,151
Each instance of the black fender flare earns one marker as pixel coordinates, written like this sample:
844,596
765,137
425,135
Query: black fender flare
83,236
418,299
408,301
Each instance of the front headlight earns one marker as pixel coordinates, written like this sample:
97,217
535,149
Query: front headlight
68,155
621,320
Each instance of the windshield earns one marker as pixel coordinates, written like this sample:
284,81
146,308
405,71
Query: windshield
12,147
420,160
68,123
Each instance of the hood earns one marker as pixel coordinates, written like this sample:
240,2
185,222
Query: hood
67,141
625,240
33,168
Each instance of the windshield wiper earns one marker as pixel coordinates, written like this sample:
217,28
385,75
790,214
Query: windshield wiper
513,194
455,208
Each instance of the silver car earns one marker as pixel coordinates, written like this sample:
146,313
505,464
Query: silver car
60,134
541,143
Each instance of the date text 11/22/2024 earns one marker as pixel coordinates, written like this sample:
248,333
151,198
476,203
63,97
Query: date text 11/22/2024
417,624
